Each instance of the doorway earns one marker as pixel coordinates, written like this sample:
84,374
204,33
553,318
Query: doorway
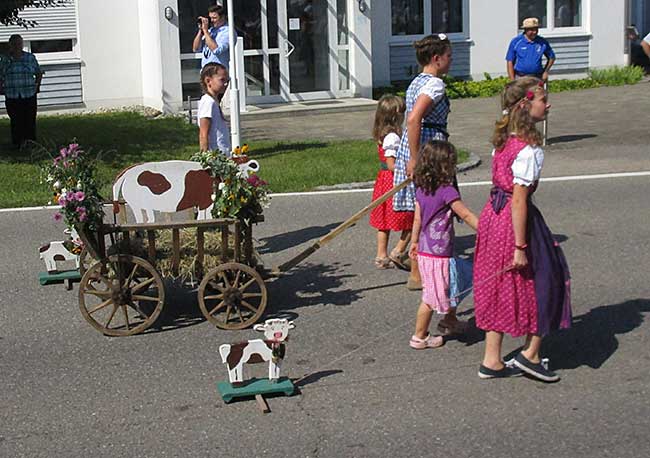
293,49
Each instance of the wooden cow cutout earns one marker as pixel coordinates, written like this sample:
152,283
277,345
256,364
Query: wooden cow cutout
271,350
168,186
52,252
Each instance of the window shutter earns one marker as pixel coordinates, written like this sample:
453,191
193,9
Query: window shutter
55,23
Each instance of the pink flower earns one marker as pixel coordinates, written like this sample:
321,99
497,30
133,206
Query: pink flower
81,210
80,196
57,216
530,95
82,217
63,201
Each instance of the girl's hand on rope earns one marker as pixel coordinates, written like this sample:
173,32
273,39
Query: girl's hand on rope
519,261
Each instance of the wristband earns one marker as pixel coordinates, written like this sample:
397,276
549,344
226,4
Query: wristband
521,247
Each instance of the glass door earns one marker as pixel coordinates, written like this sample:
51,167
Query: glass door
316,49
256,21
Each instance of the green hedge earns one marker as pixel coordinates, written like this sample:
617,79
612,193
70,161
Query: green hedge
489,87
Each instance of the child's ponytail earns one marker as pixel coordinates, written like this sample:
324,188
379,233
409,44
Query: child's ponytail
515,118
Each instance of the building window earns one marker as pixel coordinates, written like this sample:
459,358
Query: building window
533,8
407,17
447,16
563,13
568,13
47,46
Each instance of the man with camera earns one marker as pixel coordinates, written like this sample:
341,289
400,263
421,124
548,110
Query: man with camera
212,37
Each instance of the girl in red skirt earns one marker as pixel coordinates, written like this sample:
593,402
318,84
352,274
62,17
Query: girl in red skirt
387,131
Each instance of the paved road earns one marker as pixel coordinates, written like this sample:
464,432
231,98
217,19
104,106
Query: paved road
69,391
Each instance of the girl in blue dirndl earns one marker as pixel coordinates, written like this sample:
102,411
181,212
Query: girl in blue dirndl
427,109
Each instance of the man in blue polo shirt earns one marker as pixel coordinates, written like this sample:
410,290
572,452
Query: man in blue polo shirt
525,53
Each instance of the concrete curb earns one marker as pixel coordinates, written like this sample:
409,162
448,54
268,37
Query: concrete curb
473,162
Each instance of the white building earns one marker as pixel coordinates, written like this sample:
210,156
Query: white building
100,53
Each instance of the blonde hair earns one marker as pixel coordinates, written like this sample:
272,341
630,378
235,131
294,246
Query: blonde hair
389,116
515,118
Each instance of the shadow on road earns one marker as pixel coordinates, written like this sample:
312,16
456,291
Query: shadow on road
569,138
592,339
280,242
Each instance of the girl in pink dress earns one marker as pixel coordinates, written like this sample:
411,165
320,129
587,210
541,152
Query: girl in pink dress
521,279
436,202
387,131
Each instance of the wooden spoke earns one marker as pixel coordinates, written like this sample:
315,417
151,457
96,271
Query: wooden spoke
245,295
216,286
92,300
216,296
241,318
218,307
228,309
139,297
225,279
248,306
236,282
110,318
139,286
98,293
100,306
247,284
130,278
126,316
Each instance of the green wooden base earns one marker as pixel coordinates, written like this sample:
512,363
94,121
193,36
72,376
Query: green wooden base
255,386
50,278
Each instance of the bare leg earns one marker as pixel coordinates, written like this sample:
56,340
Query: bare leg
414,277
492,356
404,239
531,348
382,244
422,321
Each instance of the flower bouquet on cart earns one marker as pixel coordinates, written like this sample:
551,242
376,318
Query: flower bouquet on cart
72,181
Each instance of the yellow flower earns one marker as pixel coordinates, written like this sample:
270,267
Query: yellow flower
231,197
244,149
237,151
243,200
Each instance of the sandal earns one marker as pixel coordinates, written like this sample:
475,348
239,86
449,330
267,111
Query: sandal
383,263
447,328
429,342
398,258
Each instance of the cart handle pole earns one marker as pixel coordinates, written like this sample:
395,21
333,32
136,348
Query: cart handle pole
339,229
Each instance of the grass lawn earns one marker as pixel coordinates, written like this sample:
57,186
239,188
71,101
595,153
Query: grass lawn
123,139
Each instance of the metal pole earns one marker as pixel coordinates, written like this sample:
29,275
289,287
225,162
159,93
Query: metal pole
189,109
234,85
545,122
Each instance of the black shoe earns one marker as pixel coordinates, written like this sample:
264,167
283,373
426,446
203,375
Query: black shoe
507,371
537,370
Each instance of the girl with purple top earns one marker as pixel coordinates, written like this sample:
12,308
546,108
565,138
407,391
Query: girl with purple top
432,243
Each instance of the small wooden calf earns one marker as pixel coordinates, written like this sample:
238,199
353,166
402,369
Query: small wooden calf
271,349
56,251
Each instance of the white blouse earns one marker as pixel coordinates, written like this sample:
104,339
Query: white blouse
434,89
527,166
390,144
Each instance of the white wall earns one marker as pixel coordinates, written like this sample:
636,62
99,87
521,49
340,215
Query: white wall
608,33
491,28
381,23
160,51
109,48
361,55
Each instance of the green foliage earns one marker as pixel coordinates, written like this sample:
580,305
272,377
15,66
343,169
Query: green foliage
236,195
617,76
9,10
461,89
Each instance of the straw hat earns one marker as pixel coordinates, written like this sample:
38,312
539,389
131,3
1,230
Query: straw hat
530,23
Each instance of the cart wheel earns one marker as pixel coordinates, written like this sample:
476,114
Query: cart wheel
232,296
85,261
121,308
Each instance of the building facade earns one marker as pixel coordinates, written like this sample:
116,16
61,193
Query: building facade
98,53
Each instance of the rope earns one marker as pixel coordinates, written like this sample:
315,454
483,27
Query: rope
383,336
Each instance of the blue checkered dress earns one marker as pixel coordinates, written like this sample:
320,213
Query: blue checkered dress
435,129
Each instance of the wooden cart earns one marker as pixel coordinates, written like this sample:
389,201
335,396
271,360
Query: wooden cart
121,294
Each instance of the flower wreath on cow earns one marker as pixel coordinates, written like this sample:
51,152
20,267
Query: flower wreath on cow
237,190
